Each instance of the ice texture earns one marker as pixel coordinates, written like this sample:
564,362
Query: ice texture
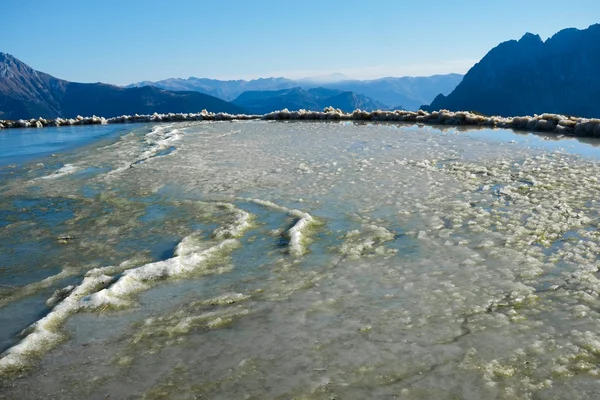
113,287
345,259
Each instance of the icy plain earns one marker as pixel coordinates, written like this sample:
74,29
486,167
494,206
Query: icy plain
311,260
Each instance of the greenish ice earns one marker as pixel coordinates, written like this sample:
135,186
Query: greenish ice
302,260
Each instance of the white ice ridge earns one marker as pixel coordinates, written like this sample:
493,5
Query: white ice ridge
66,169
298,231
238,224
159,139
44,333
136,118
547,122
35,287
556,123
187,260
101,288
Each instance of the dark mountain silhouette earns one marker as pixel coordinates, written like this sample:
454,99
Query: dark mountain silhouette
408,92
262,102
26,93
531,76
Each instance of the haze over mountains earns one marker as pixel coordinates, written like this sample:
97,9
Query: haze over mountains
26,93
405,92
263,102
530,76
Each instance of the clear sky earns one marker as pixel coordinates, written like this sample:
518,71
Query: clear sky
125,41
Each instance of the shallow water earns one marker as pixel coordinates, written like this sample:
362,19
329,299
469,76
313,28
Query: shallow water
303,260
22,145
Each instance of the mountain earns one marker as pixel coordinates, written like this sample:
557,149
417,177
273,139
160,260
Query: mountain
530,76
322,79
26,93
225,90
408,92
316,99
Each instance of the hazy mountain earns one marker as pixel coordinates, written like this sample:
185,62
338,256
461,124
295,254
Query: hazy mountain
225,90
323,79
531,76
26,93
316,99
408,92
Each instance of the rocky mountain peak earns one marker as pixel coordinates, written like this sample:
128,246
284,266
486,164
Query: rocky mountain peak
530,76
10,67
531,38
26,93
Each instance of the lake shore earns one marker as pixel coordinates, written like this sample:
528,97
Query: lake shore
550,123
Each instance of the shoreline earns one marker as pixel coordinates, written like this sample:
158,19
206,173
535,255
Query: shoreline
549,123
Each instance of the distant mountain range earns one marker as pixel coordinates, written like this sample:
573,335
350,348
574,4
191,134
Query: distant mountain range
524,77
530,76
406,92
316,99
26,93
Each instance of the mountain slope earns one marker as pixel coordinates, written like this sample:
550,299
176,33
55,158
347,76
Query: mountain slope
316,99
26,93
531,76
225,90
408,92
22,91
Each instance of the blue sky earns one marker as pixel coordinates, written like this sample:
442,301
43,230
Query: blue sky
127,41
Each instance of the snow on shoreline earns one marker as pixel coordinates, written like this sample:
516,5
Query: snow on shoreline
553,123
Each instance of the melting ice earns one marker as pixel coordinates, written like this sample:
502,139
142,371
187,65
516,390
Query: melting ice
302,260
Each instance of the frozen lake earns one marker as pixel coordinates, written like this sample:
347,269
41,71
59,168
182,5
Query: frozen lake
304,260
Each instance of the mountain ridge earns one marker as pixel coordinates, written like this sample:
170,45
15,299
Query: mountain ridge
408,92
314,99
532,76
27,93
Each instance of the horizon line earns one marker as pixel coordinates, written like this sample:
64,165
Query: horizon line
308,78
365,73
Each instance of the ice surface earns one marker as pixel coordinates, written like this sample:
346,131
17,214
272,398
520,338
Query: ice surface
335,260
102,287
65,170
